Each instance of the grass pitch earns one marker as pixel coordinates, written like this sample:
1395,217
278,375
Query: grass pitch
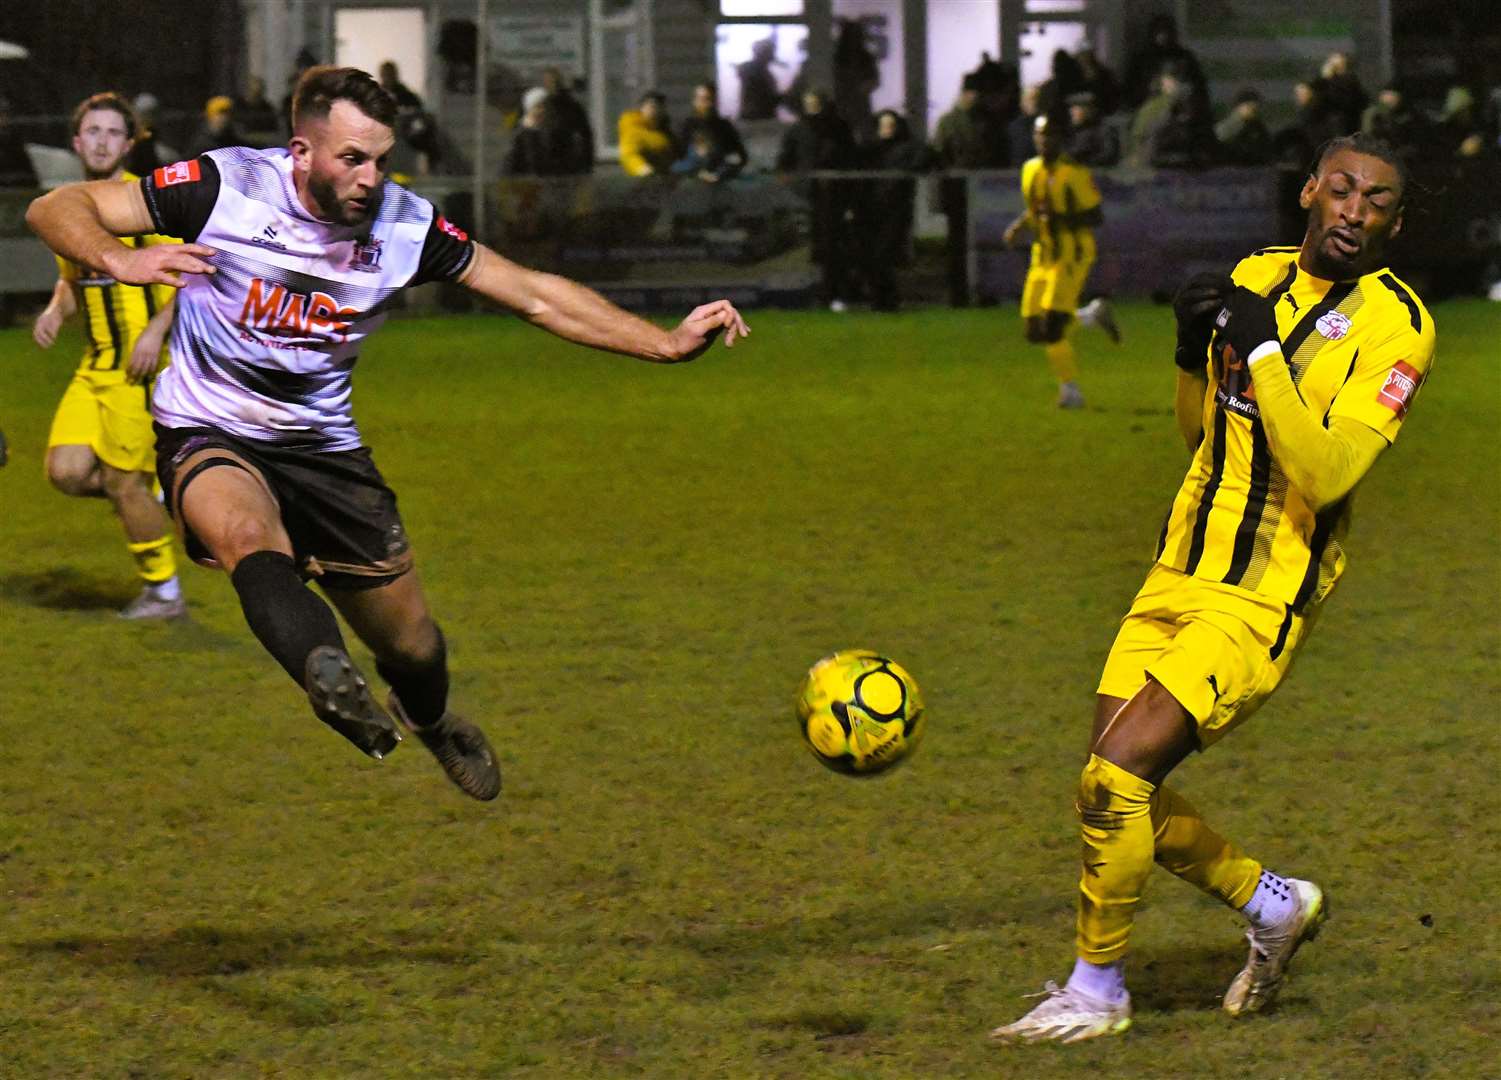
635,565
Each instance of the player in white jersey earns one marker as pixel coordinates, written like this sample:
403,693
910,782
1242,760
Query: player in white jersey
291,260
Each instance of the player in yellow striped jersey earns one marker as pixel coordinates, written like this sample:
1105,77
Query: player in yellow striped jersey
1062,211
1297,372
101,444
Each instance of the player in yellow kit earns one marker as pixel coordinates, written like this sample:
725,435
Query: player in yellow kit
101,444
1062,211
1296,374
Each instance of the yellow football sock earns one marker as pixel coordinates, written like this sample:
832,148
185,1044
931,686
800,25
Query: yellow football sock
1189,848
1062,359
154,560
1115,821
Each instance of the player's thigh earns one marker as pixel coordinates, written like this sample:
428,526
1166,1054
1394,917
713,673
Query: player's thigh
1149,735
1034,289
392,619
76,421
125,440
1064,286
224,504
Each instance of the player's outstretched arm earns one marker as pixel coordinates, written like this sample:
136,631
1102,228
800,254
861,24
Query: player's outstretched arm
576,313
82,222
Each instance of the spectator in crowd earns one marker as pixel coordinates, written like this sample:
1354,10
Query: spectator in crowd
390,80
531,150
255,114
885,210
1340,90
856,76
1173,86
1098,80
1393,119
1311,128
147,153
1186,140
16,169
1162,49
217,127
646,144
1243,136
1458,133
1091,141
1066,81
967,136
759,95
458,48
567,124
820,140
1019,130
724,151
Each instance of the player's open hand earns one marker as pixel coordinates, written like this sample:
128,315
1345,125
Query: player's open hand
145,357
44,332
160,264
704,323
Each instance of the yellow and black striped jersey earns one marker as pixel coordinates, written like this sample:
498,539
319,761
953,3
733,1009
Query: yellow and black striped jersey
1357,349
114,314
1065,187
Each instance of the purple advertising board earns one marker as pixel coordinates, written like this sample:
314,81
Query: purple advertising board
1160,227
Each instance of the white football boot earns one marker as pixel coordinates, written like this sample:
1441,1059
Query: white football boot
1272,949
1068,1015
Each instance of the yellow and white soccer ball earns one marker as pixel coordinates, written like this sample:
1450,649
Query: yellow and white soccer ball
860,712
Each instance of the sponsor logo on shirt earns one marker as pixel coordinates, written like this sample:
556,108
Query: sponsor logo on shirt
1333,325
1401,383
183,172
452,230
277,310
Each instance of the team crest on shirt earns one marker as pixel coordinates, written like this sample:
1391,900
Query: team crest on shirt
366,256
1401,383
1333,325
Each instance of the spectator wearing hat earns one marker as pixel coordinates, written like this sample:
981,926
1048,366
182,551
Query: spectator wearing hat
1099,80
967,136
531,151
1244,137
1091,141
1342,94
148,152
1161,51
217,128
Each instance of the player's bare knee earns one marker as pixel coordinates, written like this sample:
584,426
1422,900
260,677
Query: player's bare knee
72,474
120,484
1150,734
417,643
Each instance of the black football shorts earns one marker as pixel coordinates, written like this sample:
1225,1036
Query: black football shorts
336,507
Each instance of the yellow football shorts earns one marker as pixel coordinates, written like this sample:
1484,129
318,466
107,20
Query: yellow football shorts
1054,287
1220,651
102,411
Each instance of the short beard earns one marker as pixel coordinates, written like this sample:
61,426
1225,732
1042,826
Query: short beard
107,174
330,207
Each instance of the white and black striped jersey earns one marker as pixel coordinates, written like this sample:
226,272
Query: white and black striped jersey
264,347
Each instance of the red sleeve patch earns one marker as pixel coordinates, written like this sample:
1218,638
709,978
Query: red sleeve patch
183,172
1401,383
452,230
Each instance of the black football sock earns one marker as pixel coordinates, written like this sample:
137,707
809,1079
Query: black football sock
422,689
289,618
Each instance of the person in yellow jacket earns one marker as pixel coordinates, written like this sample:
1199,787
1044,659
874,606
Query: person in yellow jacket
646,144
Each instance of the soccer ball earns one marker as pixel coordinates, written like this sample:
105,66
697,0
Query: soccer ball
860,712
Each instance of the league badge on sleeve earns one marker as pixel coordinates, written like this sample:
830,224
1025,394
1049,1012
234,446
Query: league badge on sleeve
1401,384
452,230
182,172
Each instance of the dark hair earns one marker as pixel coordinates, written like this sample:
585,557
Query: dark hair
654,95
1246,94
115,103
1362,142
319,87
